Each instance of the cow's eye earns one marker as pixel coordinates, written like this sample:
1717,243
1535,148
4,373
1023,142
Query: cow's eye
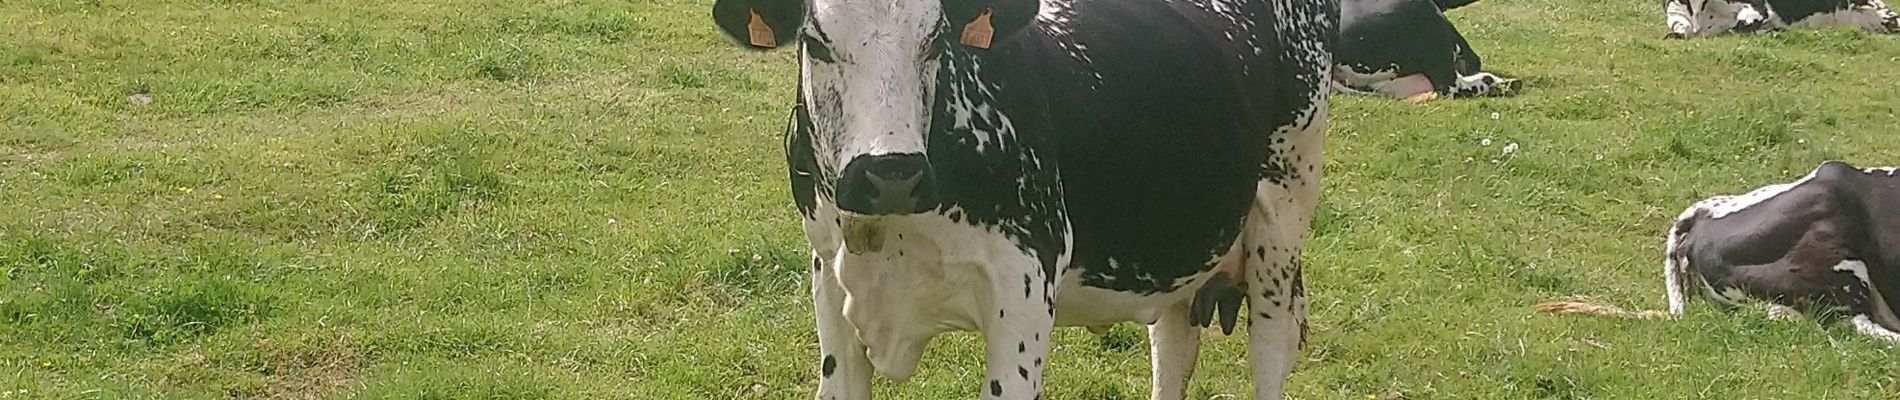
818,50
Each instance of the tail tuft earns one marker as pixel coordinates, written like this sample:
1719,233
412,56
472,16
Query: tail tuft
1587,306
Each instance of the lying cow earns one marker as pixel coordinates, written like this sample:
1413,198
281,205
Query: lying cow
1828,243
1407,49
1701,18
960,163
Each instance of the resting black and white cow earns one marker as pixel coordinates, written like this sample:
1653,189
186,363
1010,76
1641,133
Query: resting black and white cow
1701,18
1409,50
1006,166
1827,243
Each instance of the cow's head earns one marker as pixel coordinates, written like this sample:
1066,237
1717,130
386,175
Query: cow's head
868,74
1695,18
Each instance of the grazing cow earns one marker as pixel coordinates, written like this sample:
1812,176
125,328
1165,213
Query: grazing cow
1827,243
1702,18
1407,49
960,163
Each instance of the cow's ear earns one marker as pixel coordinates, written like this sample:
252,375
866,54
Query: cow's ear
760,24
981,23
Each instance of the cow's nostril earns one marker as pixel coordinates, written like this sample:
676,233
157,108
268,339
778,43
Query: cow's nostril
896,171
886,184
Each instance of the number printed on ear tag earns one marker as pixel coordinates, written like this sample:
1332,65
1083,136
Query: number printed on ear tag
761,32
979,32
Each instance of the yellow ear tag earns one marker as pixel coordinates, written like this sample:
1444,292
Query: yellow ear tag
761,33
978,33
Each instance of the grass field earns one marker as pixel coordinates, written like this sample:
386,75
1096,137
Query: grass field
489,199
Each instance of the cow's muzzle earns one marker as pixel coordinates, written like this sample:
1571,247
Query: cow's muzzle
887,184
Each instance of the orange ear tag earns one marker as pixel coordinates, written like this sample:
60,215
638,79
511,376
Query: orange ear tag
978,33
761,33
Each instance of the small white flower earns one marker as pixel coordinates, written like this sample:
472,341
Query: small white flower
1485,142
1494,115
1510,148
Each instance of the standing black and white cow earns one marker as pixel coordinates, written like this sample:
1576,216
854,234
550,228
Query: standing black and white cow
1006,166
1409,50
1827,243
1701,18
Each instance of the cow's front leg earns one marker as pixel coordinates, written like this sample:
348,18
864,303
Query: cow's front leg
1174,343
1016,331
844,371
1679,18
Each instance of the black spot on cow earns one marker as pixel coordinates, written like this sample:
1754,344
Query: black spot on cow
996,388
831,364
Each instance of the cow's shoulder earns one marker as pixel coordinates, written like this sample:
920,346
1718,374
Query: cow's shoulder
1836,172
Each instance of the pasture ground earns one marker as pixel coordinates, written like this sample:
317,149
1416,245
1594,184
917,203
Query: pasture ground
585,200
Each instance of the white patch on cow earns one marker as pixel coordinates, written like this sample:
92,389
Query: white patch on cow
1732,295
1747,14
1863,18
1888,171
1678,16
1714,16
1722,206
1676,274
1856,267
1876,301
920,283
1173,344
1483,84
1702,18
1866,326
873,99
1082,305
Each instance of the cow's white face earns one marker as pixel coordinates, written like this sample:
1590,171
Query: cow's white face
868,71
868,78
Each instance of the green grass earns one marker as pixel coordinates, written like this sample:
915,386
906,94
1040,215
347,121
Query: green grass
563,199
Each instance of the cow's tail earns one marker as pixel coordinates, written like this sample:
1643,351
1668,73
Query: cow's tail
1677,276
1588,306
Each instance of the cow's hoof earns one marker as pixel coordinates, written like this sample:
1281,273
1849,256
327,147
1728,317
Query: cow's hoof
1675,35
